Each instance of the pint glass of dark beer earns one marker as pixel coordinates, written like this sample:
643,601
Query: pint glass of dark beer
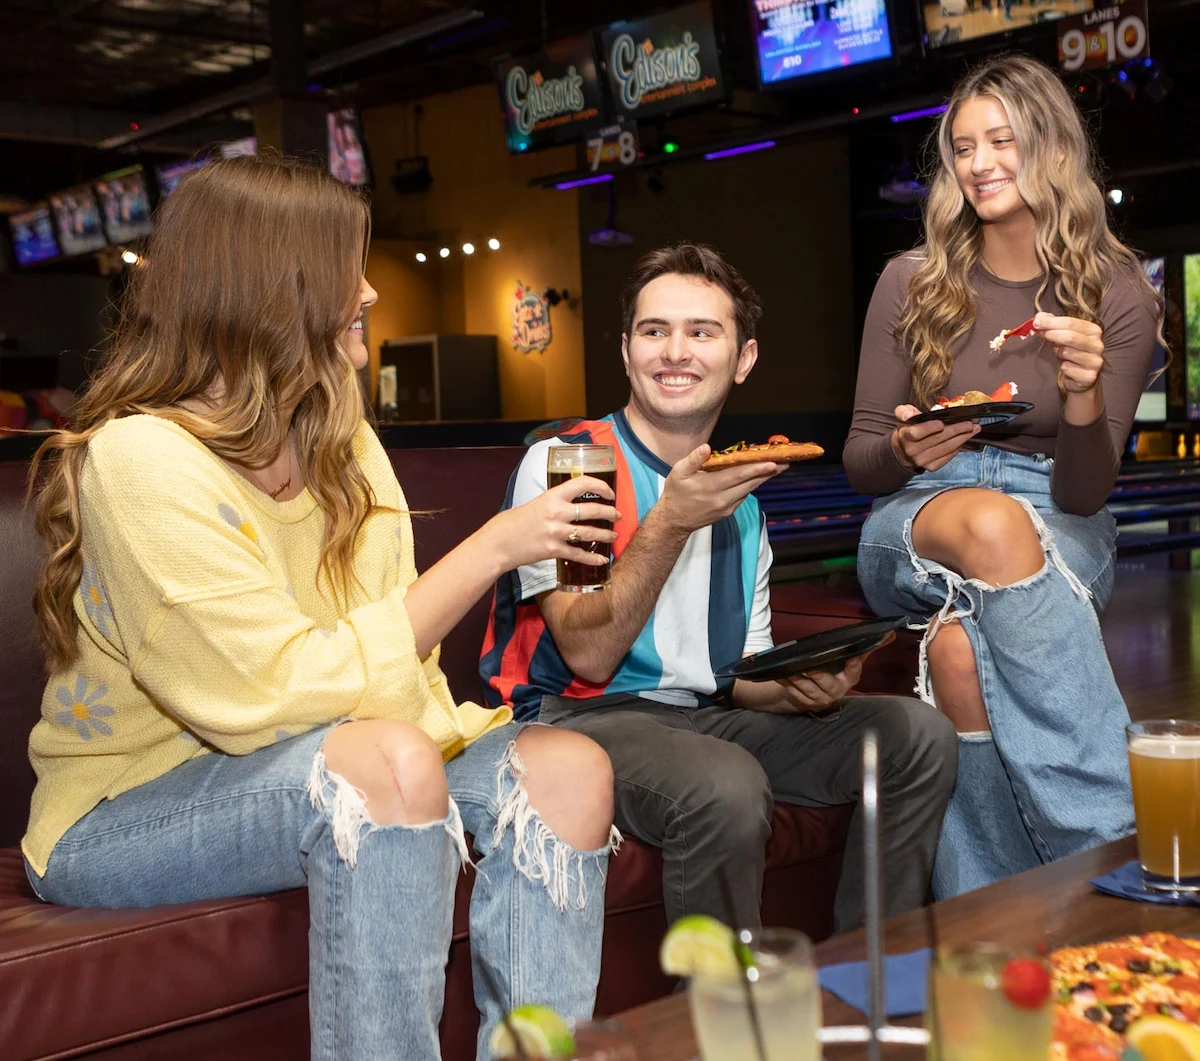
570,462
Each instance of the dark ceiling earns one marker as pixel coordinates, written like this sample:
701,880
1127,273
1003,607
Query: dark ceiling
76,73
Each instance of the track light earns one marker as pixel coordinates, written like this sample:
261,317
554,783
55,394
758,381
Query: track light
494,244
468,248
444,252
422,256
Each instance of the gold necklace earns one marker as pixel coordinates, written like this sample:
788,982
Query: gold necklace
273,494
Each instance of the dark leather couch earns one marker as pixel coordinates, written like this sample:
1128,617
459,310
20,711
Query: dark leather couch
228,979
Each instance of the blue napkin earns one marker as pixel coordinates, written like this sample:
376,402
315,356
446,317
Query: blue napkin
1126,883
905,978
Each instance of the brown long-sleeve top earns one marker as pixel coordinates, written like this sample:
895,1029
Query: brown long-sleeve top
1087,458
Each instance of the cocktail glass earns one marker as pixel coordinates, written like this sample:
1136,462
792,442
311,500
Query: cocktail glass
602,1040
970,1016
783,985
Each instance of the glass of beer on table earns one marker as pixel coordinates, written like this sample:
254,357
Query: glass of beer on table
597,462
1164,761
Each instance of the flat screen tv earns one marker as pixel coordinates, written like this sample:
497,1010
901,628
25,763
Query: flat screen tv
77,215
798,38
169,176
1152,406
33,236
955,21
347,148
125,202
1191,327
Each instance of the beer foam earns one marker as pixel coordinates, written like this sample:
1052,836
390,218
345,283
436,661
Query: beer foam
1166,747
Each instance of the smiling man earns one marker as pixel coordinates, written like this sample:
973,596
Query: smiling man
699,762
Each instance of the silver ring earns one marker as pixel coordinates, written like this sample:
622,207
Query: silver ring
573,537
577,512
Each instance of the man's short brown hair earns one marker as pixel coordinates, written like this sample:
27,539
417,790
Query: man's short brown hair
694,259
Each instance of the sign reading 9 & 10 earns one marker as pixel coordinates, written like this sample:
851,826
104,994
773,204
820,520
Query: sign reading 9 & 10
1106,36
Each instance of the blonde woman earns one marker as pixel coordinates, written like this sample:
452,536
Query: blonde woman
998,536
229,576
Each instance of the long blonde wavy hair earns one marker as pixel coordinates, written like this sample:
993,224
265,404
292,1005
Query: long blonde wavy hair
1057,179
238,308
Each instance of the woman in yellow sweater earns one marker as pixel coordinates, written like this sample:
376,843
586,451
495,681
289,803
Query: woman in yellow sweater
229,576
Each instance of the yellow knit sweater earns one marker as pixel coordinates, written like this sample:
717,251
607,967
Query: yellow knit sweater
203,625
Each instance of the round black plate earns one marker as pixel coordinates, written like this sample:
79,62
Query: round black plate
986,413
823,651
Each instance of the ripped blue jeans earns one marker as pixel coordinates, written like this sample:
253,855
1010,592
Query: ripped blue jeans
1052,776
381,898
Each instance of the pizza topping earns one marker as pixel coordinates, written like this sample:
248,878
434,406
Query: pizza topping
1096,1013
1092,967
1026,982
1021,331
1004,393
1138,965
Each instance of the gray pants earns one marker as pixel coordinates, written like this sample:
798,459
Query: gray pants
699,783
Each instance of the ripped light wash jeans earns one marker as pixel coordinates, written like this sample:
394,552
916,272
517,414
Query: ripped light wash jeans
381,898
1052,777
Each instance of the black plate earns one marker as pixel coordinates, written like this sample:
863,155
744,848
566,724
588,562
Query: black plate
823,651
987,413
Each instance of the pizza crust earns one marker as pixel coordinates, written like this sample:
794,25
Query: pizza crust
778,452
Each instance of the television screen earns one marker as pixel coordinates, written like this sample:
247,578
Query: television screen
247,145
954,21
1191,314
126,205
347,155
77,214
169,176
795,38
1152,406
33,235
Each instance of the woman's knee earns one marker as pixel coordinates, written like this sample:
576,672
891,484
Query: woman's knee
569,779
396,765
979,533
955,679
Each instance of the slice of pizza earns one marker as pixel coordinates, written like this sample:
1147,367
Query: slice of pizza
1004,393
1103,989
778,448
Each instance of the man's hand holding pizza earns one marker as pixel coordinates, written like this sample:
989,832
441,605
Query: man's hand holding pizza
693,498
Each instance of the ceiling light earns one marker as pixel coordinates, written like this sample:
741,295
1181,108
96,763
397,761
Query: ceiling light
468,248
444,252
422,256
494,244
1116,196
563,186
762,145
129,257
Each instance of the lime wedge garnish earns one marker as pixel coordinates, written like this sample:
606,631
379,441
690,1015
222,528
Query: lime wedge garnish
541,1031
699,945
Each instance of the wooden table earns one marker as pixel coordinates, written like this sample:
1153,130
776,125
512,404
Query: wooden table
1052,904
